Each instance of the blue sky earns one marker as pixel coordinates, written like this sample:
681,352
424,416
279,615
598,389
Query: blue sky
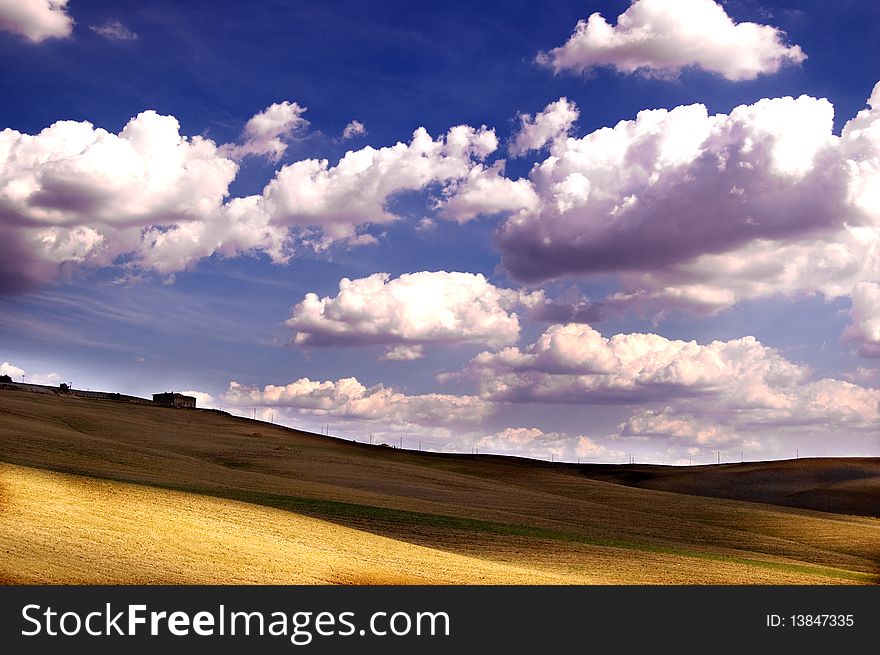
178,252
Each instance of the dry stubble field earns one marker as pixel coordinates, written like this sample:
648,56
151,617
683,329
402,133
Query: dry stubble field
97,491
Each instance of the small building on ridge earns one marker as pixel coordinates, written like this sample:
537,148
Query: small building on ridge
174,400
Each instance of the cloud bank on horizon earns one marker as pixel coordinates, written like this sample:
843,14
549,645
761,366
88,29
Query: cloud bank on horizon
680,210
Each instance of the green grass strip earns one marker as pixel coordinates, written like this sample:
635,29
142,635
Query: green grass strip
395,518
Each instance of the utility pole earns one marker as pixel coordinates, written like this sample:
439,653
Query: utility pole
420,445
371,439
719,456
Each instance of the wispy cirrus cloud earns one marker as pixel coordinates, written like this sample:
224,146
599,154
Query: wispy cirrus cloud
114,30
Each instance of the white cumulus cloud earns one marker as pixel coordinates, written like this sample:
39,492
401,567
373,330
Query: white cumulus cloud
698,212
575,363
660,38
348,399
18,374
682,428
203,398
535,443
266,133
485,191
49,379
812,411
701,396
832,261
865,327
356,190
587,448
524,442
36,20
410,311
13,371
549,125
353,129
620,198
75,196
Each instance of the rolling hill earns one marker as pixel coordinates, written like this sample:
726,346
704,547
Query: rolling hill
200,492
843,485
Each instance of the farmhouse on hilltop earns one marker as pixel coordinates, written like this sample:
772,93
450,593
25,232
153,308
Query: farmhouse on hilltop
173,400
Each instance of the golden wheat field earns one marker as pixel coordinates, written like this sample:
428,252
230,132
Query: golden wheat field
104,492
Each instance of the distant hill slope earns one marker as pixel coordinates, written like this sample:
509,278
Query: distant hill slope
547,519
844,485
